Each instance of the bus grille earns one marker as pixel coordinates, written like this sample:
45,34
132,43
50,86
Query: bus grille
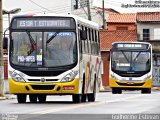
134,84
43,87
43,73
46,80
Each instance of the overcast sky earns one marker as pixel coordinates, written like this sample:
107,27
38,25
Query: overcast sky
61,6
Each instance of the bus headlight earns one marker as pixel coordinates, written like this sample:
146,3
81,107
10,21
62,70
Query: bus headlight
15,76
113,77
148,77
69,77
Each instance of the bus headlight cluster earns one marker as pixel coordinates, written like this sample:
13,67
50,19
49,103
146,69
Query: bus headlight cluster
69,77
15,76
148,77
113,77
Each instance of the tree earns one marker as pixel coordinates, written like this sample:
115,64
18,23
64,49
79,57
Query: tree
1,53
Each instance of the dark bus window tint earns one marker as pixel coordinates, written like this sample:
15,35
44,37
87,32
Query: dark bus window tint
83,42
86,41
96,36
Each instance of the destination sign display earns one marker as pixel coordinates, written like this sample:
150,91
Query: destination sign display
43,23
130,46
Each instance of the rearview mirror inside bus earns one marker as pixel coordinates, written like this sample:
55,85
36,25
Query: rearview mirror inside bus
5,43
83,35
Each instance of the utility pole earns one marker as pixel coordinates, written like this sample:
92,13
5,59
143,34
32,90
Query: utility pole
89,10
104,19
1,53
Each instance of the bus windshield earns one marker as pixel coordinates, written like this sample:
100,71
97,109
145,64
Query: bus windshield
129,61
45,49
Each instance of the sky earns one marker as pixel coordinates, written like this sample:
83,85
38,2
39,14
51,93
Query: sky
63,6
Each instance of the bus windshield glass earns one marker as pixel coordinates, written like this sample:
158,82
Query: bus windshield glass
129,61
43,49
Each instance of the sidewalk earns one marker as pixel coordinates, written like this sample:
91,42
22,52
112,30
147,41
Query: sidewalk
7,96
105,89
155,88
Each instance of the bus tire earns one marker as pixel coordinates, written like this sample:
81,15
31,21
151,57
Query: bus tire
42,98
21,98
92,96
116,91
119,91
33,98
84,96
146,91
76,98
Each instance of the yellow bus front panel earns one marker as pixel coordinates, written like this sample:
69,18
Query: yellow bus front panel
130,84
44,88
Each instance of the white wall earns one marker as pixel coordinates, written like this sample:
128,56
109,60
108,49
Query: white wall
151,26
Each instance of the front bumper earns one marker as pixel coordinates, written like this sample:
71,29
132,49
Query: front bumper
43,88
130,84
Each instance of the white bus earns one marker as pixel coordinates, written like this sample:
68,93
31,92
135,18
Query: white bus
54,55
130,67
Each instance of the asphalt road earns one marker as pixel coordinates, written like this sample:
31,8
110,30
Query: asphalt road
107,106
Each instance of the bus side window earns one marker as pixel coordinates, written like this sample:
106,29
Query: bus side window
89,41
92,41
80,43
83,34
83,37
99,50
86,41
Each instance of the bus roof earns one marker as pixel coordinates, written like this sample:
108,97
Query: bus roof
77,18
131,42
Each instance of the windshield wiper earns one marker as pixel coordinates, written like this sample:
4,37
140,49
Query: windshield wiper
53,36
33,43
125,56
136,56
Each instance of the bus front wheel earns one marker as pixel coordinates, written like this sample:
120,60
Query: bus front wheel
21,98
92,96
76,98
83,96
146,91
42,98
33,98
116,91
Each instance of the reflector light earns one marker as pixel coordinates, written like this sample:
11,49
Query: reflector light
68,87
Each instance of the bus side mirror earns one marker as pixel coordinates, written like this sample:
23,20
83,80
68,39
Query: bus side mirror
109,57
5,43
155,57
83,35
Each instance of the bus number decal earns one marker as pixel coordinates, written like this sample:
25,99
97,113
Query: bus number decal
26,59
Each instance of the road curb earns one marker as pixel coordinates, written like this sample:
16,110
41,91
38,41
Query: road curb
156,88
2,98
106,89
7,97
